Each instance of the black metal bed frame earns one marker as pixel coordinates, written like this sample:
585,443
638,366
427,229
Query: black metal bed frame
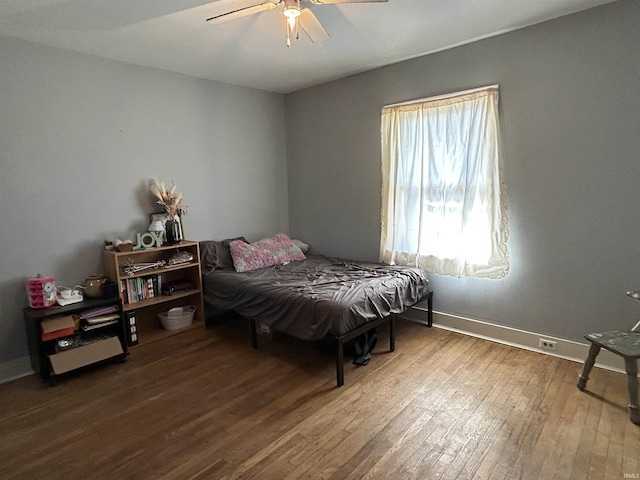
345,337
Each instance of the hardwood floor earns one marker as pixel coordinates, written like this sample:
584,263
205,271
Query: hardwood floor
204,405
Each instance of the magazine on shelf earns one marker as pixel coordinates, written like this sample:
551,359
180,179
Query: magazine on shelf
93,326
97,312
103,319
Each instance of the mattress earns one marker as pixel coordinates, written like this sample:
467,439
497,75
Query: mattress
320,296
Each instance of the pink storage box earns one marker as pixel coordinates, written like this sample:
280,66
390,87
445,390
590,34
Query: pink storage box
41,292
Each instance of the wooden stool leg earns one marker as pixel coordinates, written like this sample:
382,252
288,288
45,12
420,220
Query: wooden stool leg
631,365
588,365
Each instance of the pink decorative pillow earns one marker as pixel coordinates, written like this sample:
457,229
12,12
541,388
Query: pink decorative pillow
264,253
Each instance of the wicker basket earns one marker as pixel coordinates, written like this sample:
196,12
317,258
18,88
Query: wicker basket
178,317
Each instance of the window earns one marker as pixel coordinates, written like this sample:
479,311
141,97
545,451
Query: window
443,202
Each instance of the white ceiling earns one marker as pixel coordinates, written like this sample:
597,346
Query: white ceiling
251,51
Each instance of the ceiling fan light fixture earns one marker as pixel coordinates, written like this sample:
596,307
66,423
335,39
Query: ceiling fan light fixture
292,15
291,12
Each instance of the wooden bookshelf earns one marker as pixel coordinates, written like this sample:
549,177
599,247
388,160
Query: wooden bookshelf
149,300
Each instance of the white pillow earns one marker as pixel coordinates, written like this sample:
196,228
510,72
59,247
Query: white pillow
301,245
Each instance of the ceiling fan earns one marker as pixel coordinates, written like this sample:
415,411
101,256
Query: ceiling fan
294,15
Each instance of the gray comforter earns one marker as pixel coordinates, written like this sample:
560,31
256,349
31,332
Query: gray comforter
316,297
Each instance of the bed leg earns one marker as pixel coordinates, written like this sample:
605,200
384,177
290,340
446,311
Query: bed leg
340,363
430,310
392,336
254,335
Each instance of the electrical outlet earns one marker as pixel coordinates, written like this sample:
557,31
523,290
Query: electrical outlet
264,328
547,345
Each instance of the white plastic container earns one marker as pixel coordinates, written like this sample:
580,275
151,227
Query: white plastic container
178,317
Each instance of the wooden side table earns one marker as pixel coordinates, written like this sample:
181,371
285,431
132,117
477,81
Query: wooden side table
625,344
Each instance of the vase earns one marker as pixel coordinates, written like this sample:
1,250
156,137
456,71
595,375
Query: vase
172,229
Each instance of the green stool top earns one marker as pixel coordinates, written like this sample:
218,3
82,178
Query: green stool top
626,344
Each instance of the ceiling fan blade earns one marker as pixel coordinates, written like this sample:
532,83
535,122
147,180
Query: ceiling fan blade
310,24
325,2
241,12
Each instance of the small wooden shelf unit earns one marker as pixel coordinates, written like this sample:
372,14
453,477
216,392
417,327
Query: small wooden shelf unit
146,310
103,343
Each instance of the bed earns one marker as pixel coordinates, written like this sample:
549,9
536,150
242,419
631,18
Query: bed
309,297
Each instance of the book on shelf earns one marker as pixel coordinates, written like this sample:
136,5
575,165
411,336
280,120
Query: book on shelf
136,289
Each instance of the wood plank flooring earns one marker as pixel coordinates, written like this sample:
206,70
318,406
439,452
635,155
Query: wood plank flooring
204,405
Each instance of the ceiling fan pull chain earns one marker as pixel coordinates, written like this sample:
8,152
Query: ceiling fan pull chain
298,22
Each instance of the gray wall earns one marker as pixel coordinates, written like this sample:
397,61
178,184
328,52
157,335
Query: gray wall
569,110
80,137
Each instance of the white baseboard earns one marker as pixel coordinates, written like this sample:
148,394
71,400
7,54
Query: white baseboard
567,349
20,367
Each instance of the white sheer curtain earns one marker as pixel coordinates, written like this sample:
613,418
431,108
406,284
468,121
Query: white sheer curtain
443,202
